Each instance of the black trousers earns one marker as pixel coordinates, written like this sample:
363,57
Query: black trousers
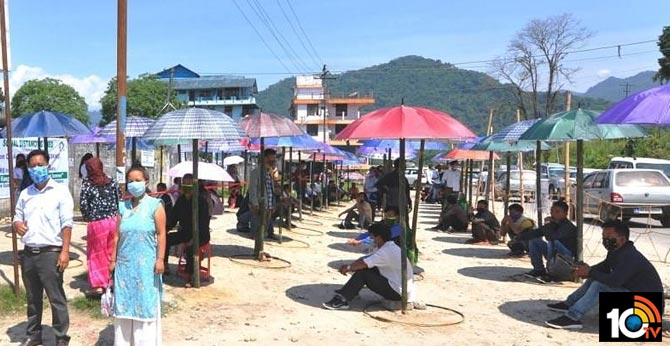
373,280
40,275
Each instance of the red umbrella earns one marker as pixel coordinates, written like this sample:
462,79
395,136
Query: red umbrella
269,125
464,154
406,122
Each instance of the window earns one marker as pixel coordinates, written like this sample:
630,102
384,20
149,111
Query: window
313,130
312,109
339,127
588,181
339,109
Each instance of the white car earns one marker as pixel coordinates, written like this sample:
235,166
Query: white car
412,175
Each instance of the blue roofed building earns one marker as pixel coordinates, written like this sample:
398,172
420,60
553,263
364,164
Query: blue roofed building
233,95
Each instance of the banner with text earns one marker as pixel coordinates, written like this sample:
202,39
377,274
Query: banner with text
58,162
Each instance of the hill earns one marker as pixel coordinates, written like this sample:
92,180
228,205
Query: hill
466,95
612,88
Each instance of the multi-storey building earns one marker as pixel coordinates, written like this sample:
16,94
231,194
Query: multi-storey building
232,95
320,112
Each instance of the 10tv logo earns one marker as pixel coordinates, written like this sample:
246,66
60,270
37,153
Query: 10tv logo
630,317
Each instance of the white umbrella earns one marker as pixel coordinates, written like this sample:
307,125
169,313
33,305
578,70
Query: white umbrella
232,160
206,171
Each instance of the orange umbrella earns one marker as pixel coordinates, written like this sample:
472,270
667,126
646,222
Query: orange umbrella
465,154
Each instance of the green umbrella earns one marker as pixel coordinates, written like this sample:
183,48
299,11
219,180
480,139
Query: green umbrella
578,125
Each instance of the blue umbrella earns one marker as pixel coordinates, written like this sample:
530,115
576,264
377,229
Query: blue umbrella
395,144
303,141
47,124
513,132
96,138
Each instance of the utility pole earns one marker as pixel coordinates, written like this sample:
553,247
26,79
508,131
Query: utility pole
626,89
8,126
122,87
324,76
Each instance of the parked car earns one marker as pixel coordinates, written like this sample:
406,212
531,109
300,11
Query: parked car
529,183
641,162
557,179
412,175
628,193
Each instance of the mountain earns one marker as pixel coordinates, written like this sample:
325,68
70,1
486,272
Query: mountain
612,88
466,95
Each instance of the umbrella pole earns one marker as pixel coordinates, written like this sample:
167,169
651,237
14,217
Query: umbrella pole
195,205
507,183
490,193
133,150
178,153
580,200
471,168
311,185
417,198
160,174
324,185
262,207
290,188
97,149
246,165
480,181
403,225
299,180
281,184
538,181
46,145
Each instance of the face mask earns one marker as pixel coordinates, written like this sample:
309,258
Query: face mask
481,209
137,188
609,244
39,174
515,217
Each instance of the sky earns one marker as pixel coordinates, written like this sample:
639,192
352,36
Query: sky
75,40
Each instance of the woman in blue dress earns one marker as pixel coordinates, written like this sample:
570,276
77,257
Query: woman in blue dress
138,265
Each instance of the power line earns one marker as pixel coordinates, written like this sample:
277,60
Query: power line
261,37
297,20
300,39
276,33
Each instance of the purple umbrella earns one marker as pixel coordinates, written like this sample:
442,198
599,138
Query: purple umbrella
647,107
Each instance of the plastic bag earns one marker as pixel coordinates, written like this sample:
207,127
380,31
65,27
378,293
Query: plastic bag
107,302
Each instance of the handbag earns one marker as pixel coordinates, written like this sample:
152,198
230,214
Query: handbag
107,302
561,267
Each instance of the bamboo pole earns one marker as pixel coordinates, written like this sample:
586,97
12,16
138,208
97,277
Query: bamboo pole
538,180
580,200
471,166
522,187
281,186
262,207
195,199
402,201
417,196
566,192
290,189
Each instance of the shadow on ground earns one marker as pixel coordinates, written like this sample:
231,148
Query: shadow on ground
535,312
479,251
360,250
492,273
344,234
106,336
315,294
456,238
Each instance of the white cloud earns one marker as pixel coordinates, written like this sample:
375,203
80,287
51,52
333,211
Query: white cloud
604,73
91,87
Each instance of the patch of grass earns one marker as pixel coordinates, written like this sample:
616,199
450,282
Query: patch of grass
87,305
10,303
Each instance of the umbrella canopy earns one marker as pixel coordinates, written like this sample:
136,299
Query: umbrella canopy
92,138
135,127
328,153
224,146
395,144
513,132
647,107
578,125
303,142
505,147
233,160
206,171
269,125
406,122
139,144
184,125
47,124
464,154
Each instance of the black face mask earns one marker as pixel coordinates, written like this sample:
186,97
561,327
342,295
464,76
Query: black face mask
609,244
481,210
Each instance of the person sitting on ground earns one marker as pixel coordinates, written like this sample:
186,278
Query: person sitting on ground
513,225
380,272
391,219
287,202
485,226
561,235
244,215
624,269
363,216
453,217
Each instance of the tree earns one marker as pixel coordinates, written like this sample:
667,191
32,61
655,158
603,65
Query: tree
663,74
49,94
147,96
535,60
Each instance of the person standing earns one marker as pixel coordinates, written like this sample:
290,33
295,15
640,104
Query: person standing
452,179
139,245
43,219
270,157
99,205
82,165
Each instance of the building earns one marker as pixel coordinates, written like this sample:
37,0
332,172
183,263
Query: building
311,101
232,95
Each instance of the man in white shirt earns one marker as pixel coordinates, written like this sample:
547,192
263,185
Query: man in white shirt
380,272
437,184
452,179
43,220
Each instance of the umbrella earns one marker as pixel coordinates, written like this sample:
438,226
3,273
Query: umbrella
463,154
232,160
405,122
189,125
502,147
225,146
512,132
577,125
94,137
206,171
47,124
264,125
303,141
647,107
395,144
134,127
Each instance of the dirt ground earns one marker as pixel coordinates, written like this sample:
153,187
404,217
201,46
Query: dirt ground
247,305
